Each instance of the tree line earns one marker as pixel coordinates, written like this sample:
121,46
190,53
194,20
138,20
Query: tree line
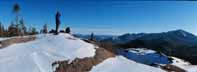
18,26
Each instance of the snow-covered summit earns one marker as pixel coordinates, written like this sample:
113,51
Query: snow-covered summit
38,55
180,32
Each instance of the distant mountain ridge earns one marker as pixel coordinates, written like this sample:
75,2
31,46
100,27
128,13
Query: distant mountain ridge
180,34
97,37
123,38
177,43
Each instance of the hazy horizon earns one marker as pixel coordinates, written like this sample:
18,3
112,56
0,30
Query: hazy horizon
106,17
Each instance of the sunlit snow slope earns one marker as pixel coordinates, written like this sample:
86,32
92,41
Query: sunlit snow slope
184,65
38,55
121,64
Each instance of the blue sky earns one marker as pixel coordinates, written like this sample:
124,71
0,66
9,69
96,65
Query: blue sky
106,17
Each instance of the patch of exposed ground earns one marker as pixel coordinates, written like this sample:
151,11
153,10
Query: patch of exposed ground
172,68
11,41
84,65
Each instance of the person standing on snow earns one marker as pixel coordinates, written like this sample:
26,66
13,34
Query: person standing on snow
57,19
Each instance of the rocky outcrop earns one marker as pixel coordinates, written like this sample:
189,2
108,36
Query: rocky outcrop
14,40
83,65
172,68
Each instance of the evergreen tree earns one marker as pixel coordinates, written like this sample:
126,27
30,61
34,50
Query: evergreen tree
12,30
68,30
16,10
45,30
52,31
5,34
41,31
29,30
32,31
92,37
23,29
1,30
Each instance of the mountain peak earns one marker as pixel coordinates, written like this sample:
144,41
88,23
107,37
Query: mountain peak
126,34
178,30
181,32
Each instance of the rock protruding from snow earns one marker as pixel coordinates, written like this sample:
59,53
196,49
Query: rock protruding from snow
85,64
121,64
38,55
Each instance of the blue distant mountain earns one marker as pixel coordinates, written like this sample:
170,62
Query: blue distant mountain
97,37
179,36
173,38
177,43
123,38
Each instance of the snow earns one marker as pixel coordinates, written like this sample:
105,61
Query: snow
184,65
141,50
145,56
121,64
38,55
6,38
3,38
183,33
